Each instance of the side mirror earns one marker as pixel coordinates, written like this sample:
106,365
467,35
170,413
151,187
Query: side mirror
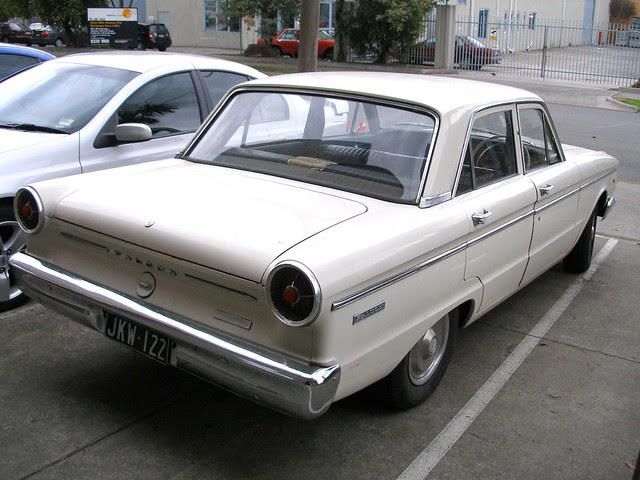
133,132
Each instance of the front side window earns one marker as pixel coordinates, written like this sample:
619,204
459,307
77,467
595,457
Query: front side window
169,105
539,146
490,155
348,144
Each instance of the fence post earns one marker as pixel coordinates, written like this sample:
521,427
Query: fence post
445,36
544,51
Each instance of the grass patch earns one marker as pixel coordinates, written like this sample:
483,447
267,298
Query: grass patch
630,101
275,69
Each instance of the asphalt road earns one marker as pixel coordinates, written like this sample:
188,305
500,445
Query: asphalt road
545,386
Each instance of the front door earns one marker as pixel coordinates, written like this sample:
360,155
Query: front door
556,184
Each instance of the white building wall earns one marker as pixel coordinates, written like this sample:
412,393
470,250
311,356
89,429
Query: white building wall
569,10
187,25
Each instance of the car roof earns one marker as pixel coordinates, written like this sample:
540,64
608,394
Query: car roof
440,93
141,62
25,51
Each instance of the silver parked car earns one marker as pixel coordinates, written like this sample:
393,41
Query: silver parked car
87,112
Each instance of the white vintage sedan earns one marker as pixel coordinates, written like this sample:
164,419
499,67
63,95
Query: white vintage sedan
321,233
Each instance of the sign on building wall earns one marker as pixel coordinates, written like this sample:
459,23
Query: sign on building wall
113,27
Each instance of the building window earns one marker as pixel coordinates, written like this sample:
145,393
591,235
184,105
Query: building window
462,2
532,21
483,21
216,21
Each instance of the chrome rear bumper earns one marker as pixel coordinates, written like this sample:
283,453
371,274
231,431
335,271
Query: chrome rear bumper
284,384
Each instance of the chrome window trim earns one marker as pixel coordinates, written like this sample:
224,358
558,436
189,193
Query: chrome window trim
433,200
333,93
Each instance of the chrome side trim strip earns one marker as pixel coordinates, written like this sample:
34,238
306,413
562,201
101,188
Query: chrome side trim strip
427,263
597,179
556,200
396,278
499,228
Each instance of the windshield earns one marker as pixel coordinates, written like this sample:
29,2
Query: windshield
59,96
353,145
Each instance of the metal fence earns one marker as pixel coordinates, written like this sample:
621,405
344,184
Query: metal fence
607,54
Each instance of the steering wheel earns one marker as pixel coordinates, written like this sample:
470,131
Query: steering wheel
480,153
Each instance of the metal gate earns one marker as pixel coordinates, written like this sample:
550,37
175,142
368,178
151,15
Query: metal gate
532,47
560,50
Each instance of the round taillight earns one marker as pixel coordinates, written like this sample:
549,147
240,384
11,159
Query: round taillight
294,294
27,208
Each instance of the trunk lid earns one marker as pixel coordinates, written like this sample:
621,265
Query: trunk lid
231,221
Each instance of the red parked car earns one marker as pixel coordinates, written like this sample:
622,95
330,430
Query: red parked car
13,32
470,53
286,43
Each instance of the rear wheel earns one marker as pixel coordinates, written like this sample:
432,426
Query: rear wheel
59,43
12,240
277,50
420,371
579,259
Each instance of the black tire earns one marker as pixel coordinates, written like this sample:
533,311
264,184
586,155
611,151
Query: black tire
12,240
328,54
579,259
420,371
58,43
140,46
162,49
29,43
277,50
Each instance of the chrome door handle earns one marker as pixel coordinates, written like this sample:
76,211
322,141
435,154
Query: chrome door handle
479,218
546,189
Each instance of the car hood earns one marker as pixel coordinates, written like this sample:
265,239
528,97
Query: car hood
231,221
15,139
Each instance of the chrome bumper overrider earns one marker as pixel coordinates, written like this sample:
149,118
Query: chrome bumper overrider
284,384
608,206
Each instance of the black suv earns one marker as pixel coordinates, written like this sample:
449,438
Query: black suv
153,35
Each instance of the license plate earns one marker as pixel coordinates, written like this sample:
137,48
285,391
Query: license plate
138,337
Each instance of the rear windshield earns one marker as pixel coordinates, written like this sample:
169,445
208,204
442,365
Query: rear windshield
354,145
158,28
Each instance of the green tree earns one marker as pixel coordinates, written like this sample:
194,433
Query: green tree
15,8
267,10
621,10
69,14
381,27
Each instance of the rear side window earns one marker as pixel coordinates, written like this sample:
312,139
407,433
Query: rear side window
219,82
490,155
169,106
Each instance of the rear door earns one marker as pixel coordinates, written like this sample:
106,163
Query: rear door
556,183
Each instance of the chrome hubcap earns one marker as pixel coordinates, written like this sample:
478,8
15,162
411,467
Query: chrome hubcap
13,239
426,355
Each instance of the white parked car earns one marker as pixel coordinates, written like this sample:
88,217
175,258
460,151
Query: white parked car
296,266
87,112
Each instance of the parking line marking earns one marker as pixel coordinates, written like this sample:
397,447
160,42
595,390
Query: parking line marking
438,448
